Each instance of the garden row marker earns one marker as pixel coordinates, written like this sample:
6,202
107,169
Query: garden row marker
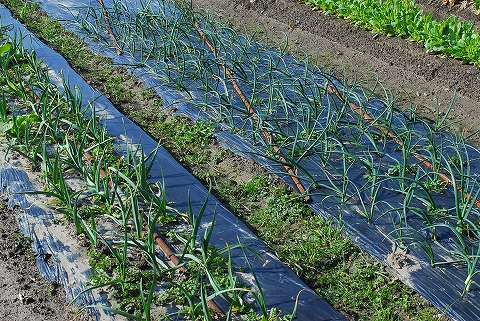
106,16
391,135
266,135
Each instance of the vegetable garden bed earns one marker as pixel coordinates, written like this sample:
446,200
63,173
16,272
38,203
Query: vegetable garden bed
465,10
452,36
318,251
366,180
124,214
291,139
410,75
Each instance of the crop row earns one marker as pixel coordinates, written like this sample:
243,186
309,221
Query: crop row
349,150
95,188
403,18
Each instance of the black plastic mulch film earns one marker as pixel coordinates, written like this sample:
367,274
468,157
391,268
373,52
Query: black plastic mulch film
280,285
344,159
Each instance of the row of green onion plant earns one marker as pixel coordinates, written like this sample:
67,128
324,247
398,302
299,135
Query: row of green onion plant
353,148
111,202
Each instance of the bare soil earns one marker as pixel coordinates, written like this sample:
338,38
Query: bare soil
24,294
429,82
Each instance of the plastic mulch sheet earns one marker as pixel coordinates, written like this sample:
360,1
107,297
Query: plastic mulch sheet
334,150
56,253
280,285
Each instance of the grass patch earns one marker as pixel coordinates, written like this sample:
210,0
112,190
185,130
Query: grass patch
316,249
319,252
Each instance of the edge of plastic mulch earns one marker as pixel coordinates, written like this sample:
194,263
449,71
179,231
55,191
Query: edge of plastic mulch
57,255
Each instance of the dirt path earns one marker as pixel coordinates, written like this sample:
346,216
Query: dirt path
404,68
24,294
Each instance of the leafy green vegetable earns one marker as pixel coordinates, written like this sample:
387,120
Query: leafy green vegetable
403,18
